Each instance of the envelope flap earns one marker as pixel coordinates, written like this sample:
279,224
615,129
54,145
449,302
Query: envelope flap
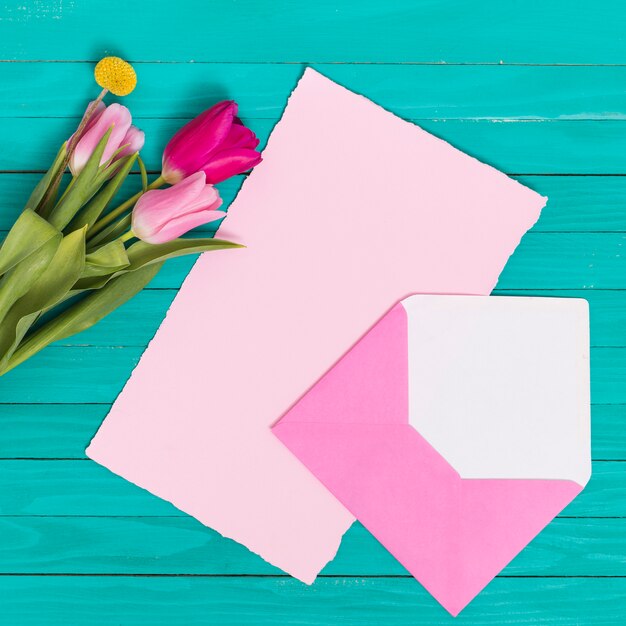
369,384
453,534
499,386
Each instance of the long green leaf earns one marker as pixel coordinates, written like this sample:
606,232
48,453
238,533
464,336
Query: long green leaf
141,254
42,187
84,313
49,289
88,215
83,188
17,281
29,233
106,260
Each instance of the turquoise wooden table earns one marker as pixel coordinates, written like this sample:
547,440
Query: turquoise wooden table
537,89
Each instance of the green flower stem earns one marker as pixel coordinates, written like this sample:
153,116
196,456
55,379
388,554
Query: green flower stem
110,232
115,213
126,236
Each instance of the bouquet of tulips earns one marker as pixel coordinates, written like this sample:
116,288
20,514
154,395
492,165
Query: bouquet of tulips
73,256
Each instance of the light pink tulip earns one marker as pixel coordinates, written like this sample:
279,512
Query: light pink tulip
161,215
216,142
123,135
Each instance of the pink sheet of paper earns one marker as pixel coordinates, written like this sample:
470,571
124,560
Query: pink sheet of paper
351,210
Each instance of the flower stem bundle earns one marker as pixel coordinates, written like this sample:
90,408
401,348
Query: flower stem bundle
73,256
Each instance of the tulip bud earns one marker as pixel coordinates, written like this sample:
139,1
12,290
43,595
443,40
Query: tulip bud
216,142
161,215
114,116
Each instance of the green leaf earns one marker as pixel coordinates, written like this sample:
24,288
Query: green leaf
29,233
50,176
50,287
141,254
18,280
89,214
84,313
144,174
106,260
84,186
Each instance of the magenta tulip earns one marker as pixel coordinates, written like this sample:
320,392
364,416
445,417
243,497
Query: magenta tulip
123,135
216,143
161,215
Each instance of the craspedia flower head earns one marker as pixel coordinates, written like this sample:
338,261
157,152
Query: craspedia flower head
116,75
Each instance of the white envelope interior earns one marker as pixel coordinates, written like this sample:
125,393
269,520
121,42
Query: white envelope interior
499,386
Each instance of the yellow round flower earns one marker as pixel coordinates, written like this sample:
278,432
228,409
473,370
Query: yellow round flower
116,75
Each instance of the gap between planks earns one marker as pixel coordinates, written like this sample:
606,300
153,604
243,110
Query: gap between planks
310,62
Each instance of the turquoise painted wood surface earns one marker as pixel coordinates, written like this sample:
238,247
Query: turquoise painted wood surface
536,89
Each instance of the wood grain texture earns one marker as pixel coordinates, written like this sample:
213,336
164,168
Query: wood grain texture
182,545
516,147
575,203
404,31
268,601
607,311
535,89
574,260
74,487
493,92
99,373
52,431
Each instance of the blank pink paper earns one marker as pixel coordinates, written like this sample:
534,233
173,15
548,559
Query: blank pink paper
352,210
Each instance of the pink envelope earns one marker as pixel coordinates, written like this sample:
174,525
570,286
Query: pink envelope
351,210
454,430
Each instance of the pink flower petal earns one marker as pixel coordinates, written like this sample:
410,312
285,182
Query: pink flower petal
228,163
155,208
116,117
183,224
190,147
133,141
100,107
208,198
240,137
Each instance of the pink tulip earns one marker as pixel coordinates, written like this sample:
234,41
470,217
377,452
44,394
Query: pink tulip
123,135
216,142
161,215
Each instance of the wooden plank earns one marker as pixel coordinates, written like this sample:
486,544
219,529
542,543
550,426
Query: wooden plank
566,261
135,323
72,487
517,147
502,92
97,374
580,203
576,261
399,32
608,435
267,601
575,203
541,261
51,431
182,545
